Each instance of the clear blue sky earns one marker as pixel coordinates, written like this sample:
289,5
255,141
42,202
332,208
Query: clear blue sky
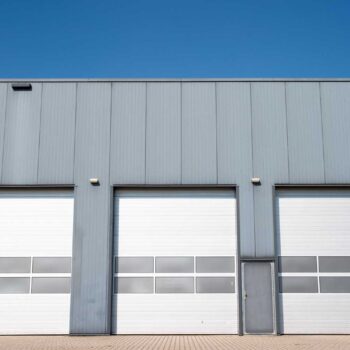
178,38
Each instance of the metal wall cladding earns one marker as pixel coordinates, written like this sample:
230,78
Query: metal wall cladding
304,125
335,99
199,134
22,134
3,95
57,133
183,133
128,130
163,133
170,133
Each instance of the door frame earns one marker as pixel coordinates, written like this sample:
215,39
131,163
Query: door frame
273,265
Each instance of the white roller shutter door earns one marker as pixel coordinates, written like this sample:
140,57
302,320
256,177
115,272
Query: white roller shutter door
313,240
174,262
36,230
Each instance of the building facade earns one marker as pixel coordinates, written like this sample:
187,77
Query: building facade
175,206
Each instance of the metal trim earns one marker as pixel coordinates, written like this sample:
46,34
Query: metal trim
107,80
276,261
238,288
311,186
172,186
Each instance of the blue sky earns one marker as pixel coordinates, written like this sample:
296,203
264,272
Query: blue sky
179,38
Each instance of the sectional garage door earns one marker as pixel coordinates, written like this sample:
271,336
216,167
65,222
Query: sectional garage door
314,261
174,262
35,261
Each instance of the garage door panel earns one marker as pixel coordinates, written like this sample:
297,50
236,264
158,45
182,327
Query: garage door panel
315,314
146,235
36,229
157,314
180,231
33,220
33,314
313,241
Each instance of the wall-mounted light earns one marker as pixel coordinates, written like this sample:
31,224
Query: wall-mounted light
94,181
21,86
256,181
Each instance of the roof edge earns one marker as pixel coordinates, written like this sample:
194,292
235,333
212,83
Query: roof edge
58,80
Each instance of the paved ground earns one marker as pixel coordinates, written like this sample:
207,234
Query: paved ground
175,342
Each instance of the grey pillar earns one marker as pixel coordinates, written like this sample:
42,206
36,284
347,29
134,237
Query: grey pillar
90,298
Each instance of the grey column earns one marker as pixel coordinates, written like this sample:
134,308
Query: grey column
90,298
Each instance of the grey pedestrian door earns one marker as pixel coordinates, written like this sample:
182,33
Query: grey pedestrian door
258,296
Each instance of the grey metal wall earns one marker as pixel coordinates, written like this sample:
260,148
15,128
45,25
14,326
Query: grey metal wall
169,133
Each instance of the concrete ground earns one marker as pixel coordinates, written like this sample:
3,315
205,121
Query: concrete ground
217,342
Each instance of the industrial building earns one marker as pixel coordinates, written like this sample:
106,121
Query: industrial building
149,206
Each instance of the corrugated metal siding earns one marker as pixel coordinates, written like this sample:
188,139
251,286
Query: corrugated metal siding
199,157
3,94
57,132
234,149
91,241
270,157
21,148
304,122
336,129
92,132
128,133
163,133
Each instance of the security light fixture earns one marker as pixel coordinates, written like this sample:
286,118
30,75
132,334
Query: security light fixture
256,181
95,181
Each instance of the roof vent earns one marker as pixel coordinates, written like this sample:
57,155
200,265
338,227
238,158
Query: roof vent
21,87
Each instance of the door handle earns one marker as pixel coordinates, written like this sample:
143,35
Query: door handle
245,295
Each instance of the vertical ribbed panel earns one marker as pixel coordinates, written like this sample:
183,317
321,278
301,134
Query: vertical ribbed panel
270,157
93,131
199,158
91,242
128,133
21,148
3,94
234,144
305,144
57,131
163,134
336,130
